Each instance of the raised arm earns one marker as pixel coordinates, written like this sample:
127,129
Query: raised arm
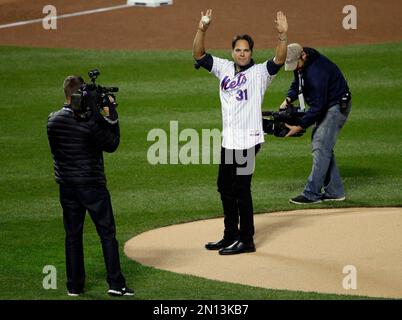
199,40
281,48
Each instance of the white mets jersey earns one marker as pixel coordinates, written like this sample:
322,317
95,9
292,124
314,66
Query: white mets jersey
241,96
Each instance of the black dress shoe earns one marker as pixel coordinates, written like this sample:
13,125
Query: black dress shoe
238,247
219,244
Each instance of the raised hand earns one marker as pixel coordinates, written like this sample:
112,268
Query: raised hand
281,23
205,20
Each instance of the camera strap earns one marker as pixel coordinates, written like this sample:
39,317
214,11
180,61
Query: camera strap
301,97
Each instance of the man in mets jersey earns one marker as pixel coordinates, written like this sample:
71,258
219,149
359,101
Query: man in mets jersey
242,87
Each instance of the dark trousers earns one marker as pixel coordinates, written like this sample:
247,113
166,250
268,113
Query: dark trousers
234,186
75,201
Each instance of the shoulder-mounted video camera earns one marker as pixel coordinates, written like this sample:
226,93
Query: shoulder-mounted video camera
273,122
91,97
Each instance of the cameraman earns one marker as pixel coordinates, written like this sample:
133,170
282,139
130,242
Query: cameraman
77,147
321,83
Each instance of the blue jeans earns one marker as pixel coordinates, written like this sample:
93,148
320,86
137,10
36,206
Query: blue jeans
324,178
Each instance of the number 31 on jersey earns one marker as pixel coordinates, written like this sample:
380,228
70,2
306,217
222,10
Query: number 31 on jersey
241,95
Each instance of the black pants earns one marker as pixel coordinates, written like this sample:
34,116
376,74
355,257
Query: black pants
75,202
234,185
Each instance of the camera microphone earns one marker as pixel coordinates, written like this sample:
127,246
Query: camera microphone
93,73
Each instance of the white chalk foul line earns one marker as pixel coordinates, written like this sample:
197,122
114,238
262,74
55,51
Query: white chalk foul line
68,15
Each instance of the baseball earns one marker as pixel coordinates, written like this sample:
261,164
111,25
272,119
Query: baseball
205,20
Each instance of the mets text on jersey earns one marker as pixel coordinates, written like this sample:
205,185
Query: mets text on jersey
228,84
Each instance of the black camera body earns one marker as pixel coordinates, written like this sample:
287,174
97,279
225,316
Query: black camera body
273,122
91,97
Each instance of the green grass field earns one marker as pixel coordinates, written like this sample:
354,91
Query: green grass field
155,88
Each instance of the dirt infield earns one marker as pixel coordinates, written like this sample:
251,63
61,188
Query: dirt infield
304,250
314,23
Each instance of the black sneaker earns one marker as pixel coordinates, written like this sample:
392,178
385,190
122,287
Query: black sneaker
328,198
303,200
120,292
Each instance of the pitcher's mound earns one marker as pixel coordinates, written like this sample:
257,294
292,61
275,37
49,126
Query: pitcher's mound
321,250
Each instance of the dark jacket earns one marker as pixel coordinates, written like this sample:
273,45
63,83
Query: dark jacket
77,147
324,85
